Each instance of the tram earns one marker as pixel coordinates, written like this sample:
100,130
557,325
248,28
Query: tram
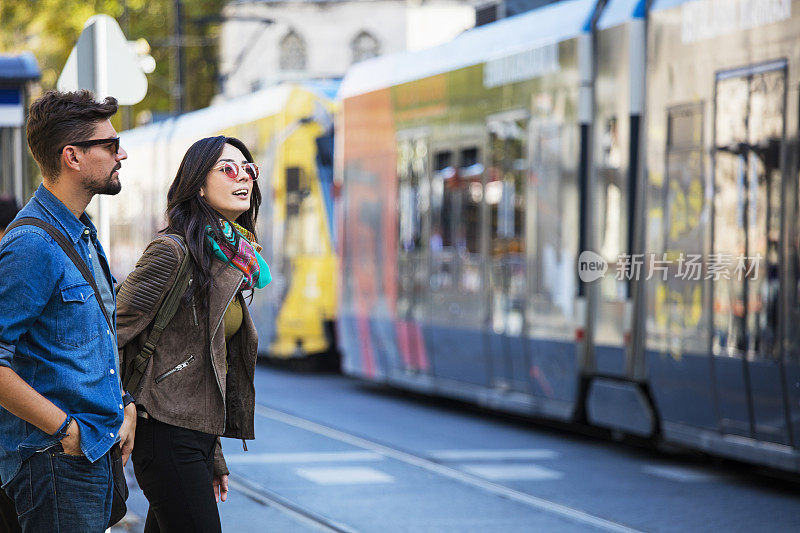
289,130
482,181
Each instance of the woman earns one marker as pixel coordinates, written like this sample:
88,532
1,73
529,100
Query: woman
198,382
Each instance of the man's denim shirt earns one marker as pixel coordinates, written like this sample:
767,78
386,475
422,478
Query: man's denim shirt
54,336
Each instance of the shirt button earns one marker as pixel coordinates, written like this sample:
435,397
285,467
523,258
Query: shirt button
112,370
111,434
121,406
108,331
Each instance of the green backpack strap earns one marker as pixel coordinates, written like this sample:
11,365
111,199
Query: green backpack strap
165,313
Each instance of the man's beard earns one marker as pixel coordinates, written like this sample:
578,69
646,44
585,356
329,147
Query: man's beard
108,185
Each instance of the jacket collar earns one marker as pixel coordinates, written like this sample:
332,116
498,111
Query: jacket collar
72,226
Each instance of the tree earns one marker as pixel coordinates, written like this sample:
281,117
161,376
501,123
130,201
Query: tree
50,28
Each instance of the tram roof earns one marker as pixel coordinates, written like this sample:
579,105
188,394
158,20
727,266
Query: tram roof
547,25
216,117
619,12
658,5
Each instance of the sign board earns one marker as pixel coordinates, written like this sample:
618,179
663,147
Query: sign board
11,112
104,63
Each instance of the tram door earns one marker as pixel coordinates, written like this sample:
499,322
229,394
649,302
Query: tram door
744,265
505,197
412,261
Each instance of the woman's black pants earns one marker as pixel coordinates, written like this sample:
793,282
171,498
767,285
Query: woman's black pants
174,467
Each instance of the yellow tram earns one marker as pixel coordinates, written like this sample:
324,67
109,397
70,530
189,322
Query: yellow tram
289,129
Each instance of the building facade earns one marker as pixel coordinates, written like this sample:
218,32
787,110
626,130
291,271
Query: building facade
264,42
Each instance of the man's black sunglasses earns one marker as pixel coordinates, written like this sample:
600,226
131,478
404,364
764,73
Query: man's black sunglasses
93,142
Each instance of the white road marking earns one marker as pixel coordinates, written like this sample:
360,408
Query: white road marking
344,476
493,455
682,473
463,477
261,495
318,457
512,472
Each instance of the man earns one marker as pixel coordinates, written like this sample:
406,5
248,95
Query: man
61,404
8,515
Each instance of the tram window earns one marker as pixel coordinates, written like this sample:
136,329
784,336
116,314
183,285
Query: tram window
470,193
685,128
301,225
442,160
507,179
294,190
292,179
552,230
443,192
684,224
412,157
747,203
612,212
469,157
505,185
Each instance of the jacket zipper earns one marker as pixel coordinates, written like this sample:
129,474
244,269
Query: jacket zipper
194,305
177,368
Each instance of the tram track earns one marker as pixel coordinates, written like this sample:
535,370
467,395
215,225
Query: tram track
266,497
259,494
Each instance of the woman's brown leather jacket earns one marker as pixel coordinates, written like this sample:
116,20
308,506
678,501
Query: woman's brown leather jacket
188,382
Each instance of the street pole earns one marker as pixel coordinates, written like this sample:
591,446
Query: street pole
127,111
177,86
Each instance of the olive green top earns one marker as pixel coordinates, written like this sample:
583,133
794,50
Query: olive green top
233,318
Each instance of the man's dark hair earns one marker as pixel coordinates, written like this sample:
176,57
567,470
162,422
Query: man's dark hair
57,119
8,210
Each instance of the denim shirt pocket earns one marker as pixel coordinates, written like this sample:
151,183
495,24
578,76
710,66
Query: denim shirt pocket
77,314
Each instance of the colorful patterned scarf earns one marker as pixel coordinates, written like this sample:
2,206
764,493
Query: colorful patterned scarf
246,257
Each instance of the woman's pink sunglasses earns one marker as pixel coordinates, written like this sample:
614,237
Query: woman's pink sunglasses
232,170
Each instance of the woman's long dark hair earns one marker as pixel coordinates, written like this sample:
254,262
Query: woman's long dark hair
189,214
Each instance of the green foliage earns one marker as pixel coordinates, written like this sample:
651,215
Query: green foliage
50,29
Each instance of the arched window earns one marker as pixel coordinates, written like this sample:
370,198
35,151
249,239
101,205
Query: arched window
293,52
364,46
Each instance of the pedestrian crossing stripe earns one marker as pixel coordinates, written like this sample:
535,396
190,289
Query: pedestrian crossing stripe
344,475
512,472
682,474
529,454
309,457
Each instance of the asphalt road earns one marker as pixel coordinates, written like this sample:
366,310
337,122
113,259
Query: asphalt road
334,454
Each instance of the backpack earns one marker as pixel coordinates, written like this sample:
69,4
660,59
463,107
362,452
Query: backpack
169,306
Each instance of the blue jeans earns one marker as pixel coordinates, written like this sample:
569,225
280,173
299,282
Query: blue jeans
55,492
